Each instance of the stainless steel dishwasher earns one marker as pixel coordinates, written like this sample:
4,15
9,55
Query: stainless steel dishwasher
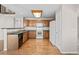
12,42
1,45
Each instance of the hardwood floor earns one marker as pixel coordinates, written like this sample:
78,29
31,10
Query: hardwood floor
34,47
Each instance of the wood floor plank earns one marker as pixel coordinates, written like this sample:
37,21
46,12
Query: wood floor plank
34,47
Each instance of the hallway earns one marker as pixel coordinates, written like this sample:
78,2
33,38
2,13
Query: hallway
35,47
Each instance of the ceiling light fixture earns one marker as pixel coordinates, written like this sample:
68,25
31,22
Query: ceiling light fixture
37,13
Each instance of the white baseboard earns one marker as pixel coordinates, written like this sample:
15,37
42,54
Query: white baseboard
69,53
63,52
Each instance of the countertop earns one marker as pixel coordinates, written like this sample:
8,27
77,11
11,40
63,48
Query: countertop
16,32
35,28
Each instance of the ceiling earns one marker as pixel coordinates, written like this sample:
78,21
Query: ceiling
24,10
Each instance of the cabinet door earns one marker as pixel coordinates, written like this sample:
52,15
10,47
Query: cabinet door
46,23
12,42
46,34
25,37
32,34
25,23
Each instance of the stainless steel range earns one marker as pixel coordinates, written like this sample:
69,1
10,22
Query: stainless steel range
39,31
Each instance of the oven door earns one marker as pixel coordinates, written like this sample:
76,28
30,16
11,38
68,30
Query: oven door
39,34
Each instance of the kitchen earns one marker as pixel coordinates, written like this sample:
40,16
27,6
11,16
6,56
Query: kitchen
16,31
29,32
39,29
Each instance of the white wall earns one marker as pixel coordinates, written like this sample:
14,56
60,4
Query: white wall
66,29
18,22
77,10
6,21
59,28
69,29
24,10
78,33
